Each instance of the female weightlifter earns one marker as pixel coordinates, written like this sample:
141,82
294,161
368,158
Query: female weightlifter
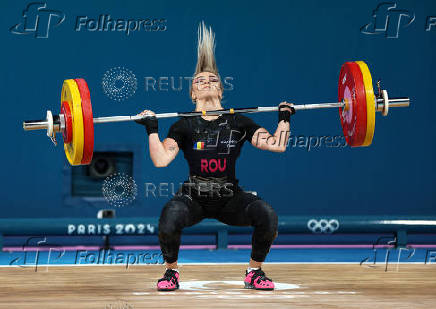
211,145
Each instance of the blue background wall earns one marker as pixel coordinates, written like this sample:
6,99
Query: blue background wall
274,50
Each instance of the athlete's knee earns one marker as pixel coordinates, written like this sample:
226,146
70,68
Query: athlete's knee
173,217
264,217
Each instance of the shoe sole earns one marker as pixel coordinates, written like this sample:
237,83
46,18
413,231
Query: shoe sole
167,290
252,287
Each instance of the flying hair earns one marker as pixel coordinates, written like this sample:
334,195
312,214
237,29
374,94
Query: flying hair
206,50
206,54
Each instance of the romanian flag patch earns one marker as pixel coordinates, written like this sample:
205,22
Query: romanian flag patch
199,145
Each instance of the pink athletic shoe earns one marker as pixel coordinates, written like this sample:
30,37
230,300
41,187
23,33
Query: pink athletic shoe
169,282
257,280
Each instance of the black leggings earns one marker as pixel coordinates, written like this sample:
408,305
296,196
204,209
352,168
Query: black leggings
240,209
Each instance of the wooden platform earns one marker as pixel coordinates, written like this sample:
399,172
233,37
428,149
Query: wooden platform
219,286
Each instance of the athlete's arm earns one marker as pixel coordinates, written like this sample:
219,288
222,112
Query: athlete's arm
262,139
161,153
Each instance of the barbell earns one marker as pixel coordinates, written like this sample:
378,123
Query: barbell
357,105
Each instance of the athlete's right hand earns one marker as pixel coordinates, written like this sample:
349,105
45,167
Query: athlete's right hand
149,122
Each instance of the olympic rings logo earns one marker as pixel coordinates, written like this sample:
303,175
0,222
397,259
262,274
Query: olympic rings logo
323,226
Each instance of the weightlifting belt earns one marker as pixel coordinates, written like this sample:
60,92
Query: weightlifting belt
207,184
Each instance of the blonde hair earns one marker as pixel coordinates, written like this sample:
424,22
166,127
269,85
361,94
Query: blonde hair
206,53
206,50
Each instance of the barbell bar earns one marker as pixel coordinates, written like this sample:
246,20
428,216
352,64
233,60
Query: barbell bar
30,125
357,106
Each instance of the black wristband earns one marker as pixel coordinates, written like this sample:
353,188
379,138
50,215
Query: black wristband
150,124
285,114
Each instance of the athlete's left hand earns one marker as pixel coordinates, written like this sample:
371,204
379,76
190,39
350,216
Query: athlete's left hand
286,110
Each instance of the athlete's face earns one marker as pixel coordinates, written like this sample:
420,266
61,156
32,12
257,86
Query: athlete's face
206,85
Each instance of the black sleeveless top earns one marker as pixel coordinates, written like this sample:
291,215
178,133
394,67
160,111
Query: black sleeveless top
212,147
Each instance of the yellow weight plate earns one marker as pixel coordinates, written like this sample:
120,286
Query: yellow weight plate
370,103
71,95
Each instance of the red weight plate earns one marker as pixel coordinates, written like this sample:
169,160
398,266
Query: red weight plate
67,133
88,121
352,89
